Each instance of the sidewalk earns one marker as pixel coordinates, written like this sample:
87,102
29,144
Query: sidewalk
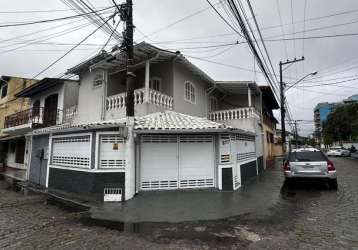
258,195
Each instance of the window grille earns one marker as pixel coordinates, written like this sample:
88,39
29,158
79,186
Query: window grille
189,91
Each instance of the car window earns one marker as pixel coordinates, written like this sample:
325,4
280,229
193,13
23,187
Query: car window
307,156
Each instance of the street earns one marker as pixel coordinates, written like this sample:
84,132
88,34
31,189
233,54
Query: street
306,216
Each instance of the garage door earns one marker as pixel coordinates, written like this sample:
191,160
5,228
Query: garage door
112,152
196,161
74,151
159,163
171,162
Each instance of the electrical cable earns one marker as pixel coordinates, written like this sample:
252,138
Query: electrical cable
73,48
52,20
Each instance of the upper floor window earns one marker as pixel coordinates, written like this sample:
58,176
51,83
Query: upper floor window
189,92
4,91
155,83
98,80
213,103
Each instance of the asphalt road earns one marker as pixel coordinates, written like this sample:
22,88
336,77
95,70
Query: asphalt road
305,216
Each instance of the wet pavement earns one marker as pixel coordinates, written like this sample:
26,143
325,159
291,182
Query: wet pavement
302,216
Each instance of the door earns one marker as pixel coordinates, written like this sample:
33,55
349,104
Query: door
20,151
112,154
159,162
172,162
50,110
196,161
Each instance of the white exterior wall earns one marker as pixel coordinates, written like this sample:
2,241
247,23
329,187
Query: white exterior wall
180,75
90,99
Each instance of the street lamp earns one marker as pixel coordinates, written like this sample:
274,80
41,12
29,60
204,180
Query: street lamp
300,80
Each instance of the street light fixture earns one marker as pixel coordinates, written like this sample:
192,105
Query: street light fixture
300,80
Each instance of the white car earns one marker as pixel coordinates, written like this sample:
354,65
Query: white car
338,151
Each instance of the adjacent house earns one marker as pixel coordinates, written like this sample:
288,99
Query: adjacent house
189,131
272,148
13,155
53,102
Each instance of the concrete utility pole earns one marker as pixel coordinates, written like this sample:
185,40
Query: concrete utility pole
283,99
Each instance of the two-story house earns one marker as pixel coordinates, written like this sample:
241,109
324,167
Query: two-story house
189,131
13,156
51,102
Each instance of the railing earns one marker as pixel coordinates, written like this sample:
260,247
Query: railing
234,114
155,97
35,116
69,114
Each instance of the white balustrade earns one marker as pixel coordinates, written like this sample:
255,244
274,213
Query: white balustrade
234,114
115,102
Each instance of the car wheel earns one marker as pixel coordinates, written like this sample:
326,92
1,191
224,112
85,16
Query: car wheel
333,184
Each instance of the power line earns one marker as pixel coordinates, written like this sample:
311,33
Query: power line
36,11
74,47
282,29
52,20
222,18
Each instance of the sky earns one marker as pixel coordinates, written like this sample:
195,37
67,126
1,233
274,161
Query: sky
192,27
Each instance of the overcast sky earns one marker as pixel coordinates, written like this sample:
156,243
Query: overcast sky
335,59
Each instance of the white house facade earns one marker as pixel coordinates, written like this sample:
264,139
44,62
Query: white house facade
188,131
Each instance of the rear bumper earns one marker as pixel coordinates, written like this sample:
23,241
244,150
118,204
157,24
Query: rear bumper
291,175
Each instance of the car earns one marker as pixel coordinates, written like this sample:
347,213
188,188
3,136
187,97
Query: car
310,164
338,151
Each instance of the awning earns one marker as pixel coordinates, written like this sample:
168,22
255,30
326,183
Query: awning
7,138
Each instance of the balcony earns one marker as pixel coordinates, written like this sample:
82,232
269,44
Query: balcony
25,121
234,114
117,103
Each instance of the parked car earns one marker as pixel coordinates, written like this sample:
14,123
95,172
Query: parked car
310,163
338,151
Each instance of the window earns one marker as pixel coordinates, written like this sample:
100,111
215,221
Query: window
307,156
213,103
155,83
98,80
4,91
189,92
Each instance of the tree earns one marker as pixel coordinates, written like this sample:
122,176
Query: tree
341,124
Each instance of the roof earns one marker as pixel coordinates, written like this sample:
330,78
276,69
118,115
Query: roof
237,87
143,51
40,86
268,97
163,122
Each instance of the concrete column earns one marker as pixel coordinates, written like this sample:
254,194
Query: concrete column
147,78
249,96
130,161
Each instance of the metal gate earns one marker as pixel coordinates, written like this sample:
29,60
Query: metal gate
112,152
172,161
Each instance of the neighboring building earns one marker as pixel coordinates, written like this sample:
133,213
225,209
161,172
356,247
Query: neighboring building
52,103
13,155
188,132
271,147
351,99
321,112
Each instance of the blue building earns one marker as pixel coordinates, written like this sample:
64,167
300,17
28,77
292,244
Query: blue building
321,112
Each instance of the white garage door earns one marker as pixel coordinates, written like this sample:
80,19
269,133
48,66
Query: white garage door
171,162
112,152
159,163
196,161
72,151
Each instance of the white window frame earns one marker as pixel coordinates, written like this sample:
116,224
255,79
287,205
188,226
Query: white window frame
159,83
191,91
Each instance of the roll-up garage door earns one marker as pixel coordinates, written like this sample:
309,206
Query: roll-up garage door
72,151
112,152
159,162
196,161
171,162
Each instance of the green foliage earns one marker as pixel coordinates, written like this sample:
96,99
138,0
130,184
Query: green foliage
341,124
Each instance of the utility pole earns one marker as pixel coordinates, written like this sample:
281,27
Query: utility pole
283,99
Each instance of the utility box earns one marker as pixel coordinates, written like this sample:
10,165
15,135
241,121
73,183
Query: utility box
112,194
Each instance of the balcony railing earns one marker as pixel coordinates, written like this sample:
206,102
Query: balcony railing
234,114
115,102
33,116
